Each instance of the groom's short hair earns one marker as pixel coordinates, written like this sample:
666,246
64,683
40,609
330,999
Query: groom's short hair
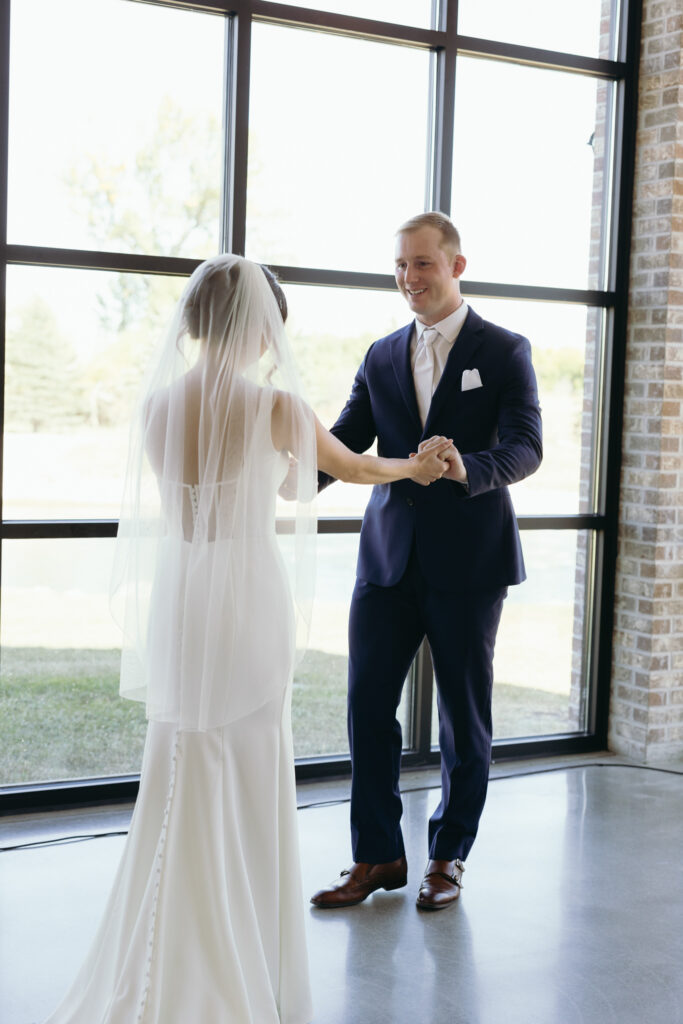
450,235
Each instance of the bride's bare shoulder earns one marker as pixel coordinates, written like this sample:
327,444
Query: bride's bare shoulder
155,404
158,402
285,403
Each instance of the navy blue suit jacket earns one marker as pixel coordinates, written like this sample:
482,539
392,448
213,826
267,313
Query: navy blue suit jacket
464,537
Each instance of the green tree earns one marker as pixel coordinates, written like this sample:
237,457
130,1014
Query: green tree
165,200
560,369
41,390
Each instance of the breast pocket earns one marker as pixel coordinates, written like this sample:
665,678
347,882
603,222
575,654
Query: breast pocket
474,420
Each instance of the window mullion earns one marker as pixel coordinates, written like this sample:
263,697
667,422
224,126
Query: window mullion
236,127
442,117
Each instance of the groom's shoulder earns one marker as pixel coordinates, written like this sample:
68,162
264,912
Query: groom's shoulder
494,332
500,342
396,335
383,345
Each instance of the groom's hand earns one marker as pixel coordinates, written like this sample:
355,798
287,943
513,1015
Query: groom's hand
456,467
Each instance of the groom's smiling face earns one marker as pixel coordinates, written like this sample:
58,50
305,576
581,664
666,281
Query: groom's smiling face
427,274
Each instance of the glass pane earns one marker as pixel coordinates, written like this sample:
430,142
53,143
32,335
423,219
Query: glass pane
565,344
62,717
117,146
538,666
574,26
60,713
319,700
528,174
331,329
77,344
402,12
543,693
332,173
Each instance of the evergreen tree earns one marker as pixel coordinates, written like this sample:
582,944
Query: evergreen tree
40,384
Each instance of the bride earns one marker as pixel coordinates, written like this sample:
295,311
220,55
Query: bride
205,921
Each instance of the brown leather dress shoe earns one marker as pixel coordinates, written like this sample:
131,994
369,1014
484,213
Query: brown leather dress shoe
356,883
441,884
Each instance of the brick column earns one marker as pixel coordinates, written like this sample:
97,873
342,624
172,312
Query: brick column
646,714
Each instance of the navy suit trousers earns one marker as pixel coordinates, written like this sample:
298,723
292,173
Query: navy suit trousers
386,628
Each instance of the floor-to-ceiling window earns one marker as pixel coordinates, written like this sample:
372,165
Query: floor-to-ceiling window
140,138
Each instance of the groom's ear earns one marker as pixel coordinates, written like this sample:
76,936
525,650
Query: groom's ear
459,264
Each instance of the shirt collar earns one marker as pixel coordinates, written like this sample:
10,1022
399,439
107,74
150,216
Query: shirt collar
449,328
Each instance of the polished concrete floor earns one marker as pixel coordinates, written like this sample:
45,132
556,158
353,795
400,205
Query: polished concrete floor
572,911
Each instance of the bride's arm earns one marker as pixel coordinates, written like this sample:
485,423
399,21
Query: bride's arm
340,462
337,460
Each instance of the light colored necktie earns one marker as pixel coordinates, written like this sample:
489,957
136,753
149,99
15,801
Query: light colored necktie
423,374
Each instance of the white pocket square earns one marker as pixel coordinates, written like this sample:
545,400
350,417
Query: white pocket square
470,380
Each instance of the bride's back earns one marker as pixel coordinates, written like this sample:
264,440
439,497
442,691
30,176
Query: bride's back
198,446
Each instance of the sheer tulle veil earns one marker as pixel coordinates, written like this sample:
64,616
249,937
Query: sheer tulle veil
200,462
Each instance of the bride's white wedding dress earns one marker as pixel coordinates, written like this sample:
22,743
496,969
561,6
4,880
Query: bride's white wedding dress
205,922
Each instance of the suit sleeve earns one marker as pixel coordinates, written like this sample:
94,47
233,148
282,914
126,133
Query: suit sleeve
355,426
519,450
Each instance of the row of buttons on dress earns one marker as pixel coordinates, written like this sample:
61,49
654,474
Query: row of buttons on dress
157,883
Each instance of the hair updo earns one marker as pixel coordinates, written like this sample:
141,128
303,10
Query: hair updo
223,281
277,291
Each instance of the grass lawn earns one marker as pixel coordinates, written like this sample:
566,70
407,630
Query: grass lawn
62,718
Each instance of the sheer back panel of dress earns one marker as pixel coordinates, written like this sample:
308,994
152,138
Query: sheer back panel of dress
199,577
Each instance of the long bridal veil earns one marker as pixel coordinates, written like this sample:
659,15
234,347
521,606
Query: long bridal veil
183,585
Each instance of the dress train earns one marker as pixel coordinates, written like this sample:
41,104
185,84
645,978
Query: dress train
204,924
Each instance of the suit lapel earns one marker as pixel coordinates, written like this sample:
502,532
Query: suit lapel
462,350
400,359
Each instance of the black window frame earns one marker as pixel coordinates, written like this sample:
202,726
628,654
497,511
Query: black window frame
445,44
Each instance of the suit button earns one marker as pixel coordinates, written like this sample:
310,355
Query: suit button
410,502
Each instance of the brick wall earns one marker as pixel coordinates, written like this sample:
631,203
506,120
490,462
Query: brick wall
646,714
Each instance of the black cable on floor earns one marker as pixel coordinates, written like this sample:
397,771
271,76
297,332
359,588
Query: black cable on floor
61,840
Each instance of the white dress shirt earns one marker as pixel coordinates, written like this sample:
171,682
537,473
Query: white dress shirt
447,330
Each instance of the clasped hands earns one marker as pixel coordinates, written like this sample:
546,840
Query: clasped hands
442,459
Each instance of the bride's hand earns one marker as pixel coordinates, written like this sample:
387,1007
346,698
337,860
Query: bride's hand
456,467
428,465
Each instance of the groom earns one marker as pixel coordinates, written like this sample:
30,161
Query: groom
433,561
